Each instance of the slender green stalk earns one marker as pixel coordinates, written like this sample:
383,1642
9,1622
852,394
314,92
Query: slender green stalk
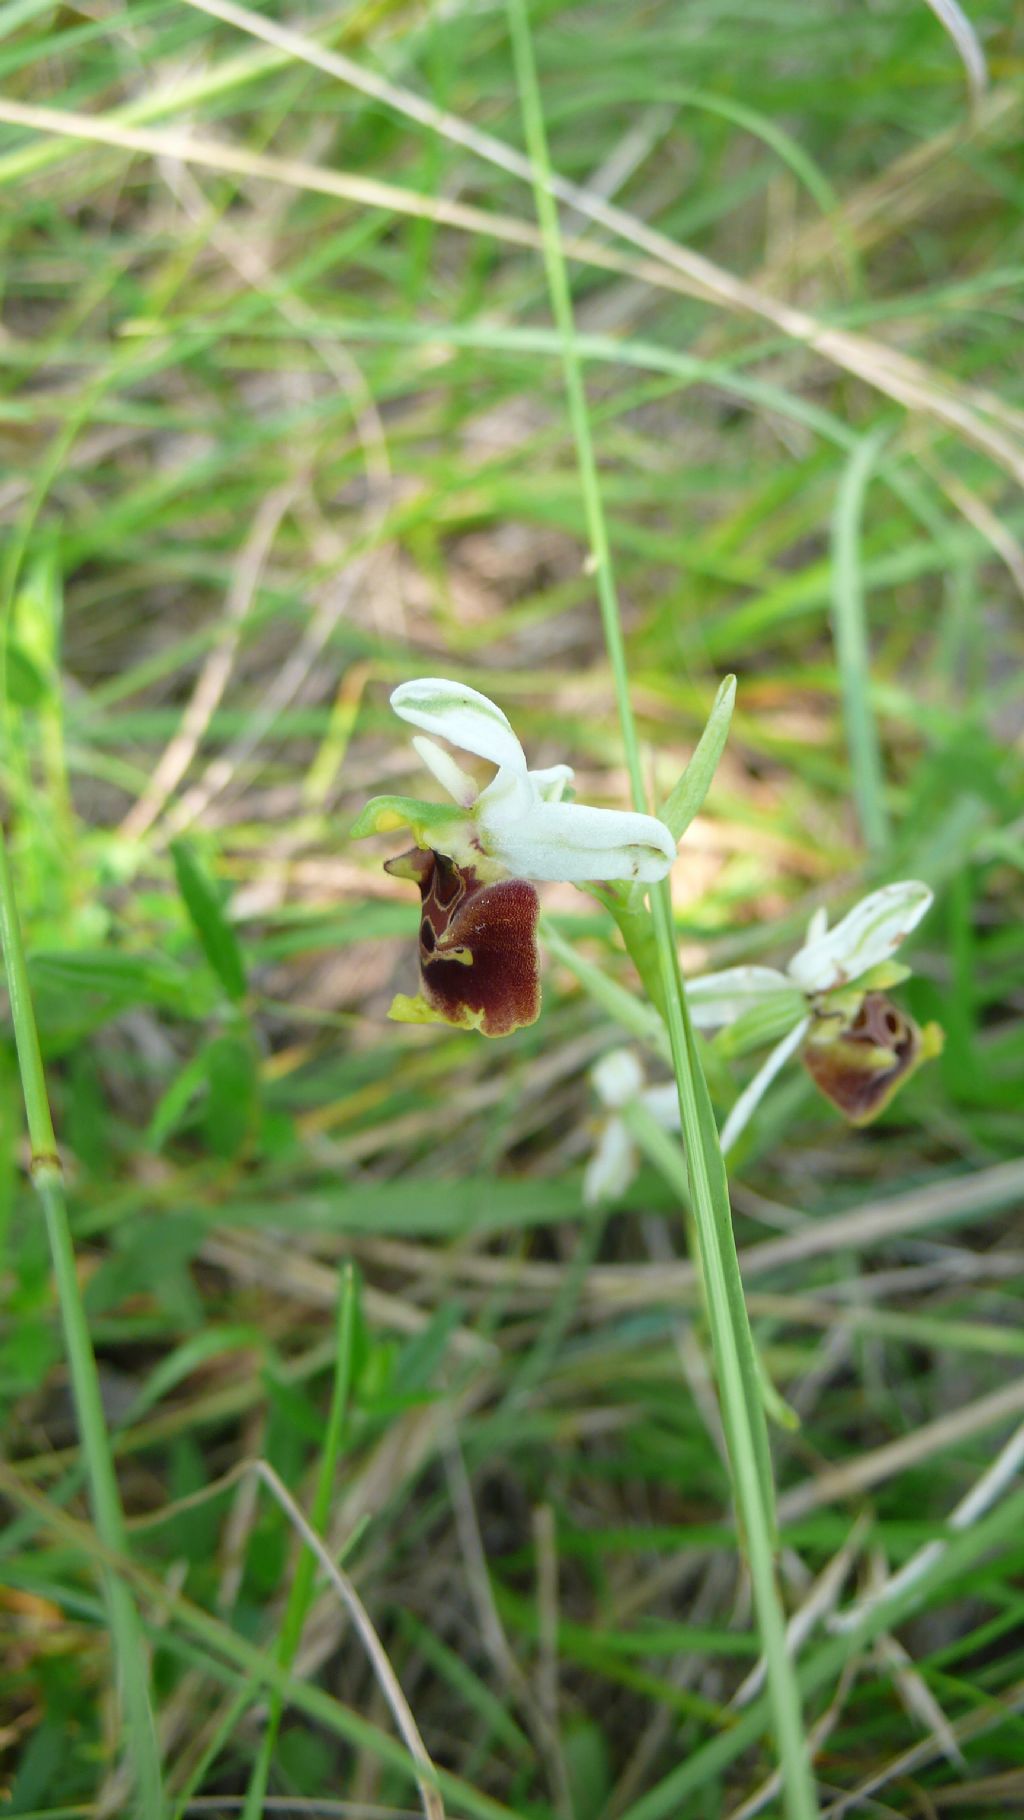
735,1358
125,1629
736,1369
850,632
561,303
302,1584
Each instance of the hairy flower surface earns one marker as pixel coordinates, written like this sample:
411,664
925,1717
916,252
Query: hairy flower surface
476,858
478,947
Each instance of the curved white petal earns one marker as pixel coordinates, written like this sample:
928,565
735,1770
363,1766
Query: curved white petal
871,933
755,1090
461,715
450,776
617,1078
720,998
612,1166
552,783
573,842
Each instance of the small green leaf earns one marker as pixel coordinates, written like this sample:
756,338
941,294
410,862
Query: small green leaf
217,937
232,1104
26,683
174,1103
679,809
118,975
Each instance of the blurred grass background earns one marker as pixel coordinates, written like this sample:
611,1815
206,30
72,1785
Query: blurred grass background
270,444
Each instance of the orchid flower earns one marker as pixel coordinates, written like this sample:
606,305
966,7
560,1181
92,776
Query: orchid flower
476,858
618,1080
830,1004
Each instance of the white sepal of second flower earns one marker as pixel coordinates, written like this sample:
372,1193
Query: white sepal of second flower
870,933
520,819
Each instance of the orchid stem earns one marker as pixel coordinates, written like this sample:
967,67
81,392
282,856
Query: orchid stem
735,1360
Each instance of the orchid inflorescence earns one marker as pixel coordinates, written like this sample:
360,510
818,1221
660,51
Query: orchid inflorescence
831,1006
476,860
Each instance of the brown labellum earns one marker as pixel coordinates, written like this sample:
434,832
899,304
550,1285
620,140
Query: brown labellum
860,1063
478,944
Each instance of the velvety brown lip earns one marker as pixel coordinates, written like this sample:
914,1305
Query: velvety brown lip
478,944
859,1064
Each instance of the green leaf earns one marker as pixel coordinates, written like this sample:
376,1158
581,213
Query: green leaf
686,800
26,683
852,648
217,937
232,1105
174,1103
123,978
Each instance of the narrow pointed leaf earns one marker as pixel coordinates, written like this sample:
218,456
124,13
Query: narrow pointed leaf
216,936
687,799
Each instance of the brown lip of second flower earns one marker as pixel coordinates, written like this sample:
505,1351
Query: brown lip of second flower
861,1062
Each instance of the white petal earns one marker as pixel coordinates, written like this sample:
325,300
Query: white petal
552,784
450,776
612,1166
817,925
662,1102
461,715
720,998
617,1078
508,800
871,933
573,842
756,1089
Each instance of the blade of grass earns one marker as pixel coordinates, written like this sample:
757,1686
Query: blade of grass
125,1629
736,1365
302,1584
849,628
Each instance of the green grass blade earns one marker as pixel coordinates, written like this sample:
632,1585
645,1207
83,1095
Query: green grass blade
849,628
302,1585
216,935
125,1629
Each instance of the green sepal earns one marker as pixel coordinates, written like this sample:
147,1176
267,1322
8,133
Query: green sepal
882,977
765,1023
386,814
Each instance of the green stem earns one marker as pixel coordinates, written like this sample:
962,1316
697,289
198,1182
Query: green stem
736,1370
561,303
735,1359
125,1629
